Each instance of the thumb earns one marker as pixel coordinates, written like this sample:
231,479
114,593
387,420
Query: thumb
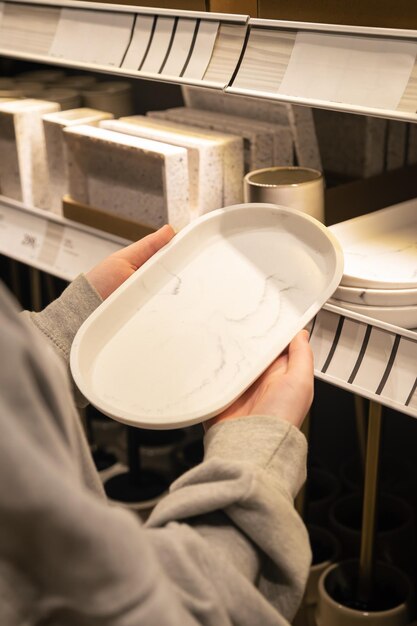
141,251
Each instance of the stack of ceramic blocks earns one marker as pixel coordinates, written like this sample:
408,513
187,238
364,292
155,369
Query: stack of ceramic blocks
133,178
23,164
297,121
265,144
215,160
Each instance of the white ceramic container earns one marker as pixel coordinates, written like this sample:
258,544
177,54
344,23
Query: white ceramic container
193,328
403,316
376,297
205,164
300,188
23,165
380,248
54,124
138,179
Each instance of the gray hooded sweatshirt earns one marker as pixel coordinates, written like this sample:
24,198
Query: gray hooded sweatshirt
224,547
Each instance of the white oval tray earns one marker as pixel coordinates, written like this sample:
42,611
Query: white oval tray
182,338
380,248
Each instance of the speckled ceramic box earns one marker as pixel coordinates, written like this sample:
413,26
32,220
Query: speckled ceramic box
135,178
258,142
205,157
256,133
23,166
299,119
53,124
351,145
233,163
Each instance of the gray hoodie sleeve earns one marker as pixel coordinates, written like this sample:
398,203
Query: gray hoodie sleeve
224,547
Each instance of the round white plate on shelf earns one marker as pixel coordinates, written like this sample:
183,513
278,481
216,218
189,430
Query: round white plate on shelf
182,338
376,297
403,316
380,248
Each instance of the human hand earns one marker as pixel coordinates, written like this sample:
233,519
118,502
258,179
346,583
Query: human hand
108,275
284,390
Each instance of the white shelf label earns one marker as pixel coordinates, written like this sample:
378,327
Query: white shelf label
59,249
364,71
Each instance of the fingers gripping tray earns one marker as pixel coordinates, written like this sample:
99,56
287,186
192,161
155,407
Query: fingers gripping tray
182,338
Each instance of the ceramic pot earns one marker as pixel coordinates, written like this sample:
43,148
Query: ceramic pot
299,188
325,550
323,488
395,535
389,605
129,492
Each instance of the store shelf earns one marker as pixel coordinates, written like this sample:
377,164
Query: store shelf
364,356
183,47
51,243
355,69
371,71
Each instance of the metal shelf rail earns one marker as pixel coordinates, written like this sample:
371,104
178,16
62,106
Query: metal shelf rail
371,71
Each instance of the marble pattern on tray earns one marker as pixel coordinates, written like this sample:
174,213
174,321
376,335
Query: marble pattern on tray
138,179
232,317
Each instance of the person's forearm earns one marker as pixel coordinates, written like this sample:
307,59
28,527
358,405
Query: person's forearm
254,467
61,319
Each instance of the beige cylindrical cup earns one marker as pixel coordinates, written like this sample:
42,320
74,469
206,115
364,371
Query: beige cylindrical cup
299,188
337,604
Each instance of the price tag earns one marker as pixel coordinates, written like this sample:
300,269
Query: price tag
51,246
21,235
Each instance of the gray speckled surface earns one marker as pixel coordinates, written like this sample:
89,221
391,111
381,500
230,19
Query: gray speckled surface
135,178
298,119
53,124
205,157
258,142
